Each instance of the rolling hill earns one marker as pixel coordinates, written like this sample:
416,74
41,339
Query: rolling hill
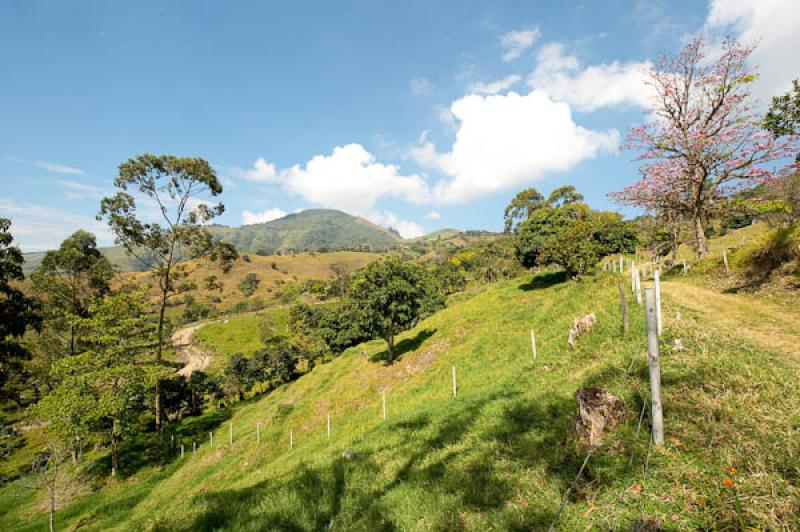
501,455
309,230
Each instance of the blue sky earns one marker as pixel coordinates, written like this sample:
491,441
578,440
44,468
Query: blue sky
418,114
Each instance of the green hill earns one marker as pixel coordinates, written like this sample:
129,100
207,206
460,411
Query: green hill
502,454
309,230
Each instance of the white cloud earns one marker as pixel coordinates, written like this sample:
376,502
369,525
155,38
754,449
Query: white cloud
262,171
421,86
775,25
267,215
38,228
77,190
58,168
516,42
507,140
351,180
494,87
587,89
433,215
404,227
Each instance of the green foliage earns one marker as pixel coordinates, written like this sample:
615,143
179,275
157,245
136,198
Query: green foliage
17,311
783,117
563,196
238,375
572,236
521,207
101,390
276,361
391,296
249,284
327,328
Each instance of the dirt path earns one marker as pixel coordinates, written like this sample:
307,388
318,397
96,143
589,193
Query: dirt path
751,318
187,352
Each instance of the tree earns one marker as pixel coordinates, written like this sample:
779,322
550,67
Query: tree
391,296
238,374
47,472
277,360
67,278
249,284
572,236
101,390
174,185
521,208
563,196
706,140
17,311
783,117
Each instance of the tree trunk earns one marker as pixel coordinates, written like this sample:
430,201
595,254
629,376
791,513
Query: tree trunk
700,234
390,348
52,510
114,455
158,406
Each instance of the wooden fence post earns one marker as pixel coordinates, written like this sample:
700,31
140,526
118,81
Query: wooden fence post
181,450
291,439
725,260
533,345
623,303
657,281
230,434
454,382
655,367
211,439
329,426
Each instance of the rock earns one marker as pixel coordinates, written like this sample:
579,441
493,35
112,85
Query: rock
599,412
347,454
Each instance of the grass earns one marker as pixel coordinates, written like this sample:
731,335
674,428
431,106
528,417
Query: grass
238,334
502,454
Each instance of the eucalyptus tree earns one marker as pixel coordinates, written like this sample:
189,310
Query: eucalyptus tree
176,187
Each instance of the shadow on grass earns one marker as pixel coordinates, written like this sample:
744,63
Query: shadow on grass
544,280
403,347
450,467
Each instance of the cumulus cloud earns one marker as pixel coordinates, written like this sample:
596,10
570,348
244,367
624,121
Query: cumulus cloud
506,140
262,171
587,89
350,179
249,217
516,42
775,26
494,87
421,86
433,215
406,228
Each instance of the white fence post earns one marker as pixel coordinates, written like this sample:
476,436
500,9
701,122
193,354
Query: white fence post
211,438
533,345
230,434
725,260
638,287
657,280
655,368
181,450
383,399
258,432
454,382
329,426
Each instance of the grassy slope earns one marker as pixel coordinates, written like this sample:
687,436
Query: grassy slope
237,334
499,456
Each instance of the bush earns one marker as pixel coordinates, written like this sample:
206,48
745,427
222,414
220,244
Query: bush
249,284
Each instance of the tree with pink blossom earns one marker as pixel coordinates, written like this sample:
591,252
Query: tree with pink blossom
705,139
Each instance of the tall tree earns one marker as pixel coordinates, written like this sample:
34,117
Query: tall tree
706,140
783,117
564,195
391,296
521,207
67,278
17,311
174,184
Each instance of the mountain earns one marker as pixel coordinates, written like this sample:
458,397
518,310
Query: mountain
309,230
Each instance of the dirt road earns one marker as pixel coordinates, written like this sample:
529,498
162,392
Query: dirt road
187,352
749,317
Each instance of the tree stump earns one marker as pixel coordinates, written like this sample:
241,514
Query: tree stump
599,412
